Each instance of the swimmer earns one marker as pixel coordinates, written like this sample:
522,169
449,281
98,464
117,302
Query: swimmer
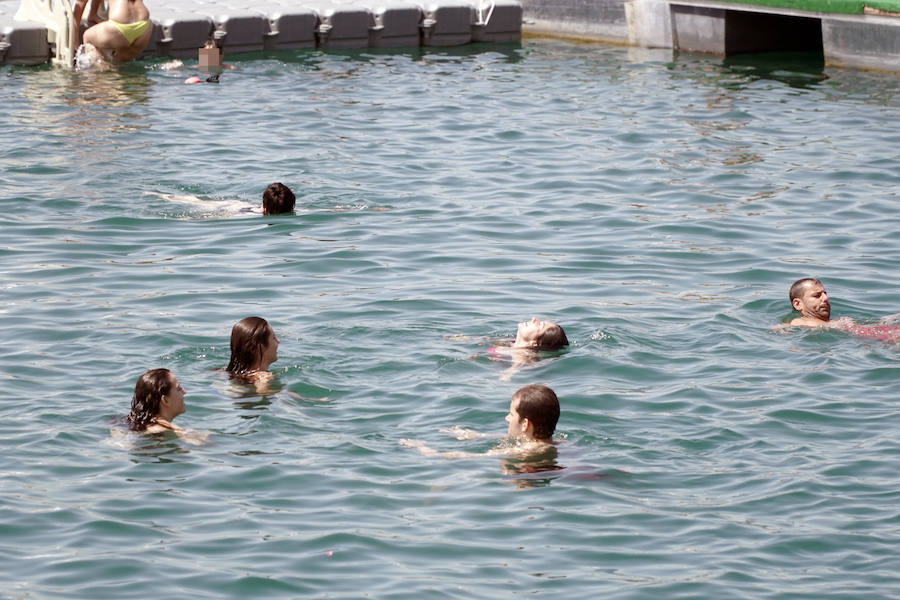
124,35
278,199
539,335
809,298
158,399
254,347
532,337
533,414
531,423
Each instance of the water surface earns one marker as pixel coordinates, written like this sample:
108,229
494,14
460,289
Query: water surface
658,207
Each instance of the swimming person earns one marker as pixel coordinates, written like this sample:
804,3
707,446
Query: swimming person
531,421
158,399
254,347
532,336
539,335
124,35
533,414
809,298
277,199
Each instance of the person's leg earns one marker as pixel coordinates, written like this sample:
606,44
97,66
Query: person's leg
93,17
105,35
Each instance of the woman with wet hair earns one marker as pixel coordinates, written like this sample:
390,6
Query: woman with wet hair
158,399
254,347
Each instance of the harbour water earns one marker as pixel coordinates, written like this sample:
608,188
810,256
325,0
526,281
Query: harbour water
657,207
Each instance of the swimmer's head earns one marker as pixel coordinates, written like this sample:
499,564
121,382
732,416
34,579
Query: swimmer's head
278,199
254,346
157,393
209,56
540,335
533,413
809,298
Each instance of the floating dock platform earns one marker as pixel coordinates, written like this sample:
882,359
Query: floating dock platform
848,33
180,27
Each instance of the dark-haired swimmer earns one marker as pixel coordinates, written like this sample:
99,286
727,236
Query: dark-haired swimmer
159,398
809,298
254,346
278,199
531,422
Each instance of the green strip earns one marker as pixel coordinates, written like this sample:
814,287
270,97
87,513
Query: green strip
888,5
849,7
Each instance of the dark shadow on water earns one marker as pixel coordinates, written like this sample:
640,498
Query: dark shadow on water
801,70
254,405
510,52
538,470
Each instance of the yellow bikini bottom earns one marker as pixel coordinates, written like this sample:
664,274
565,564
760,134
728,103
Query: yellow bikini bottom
132,31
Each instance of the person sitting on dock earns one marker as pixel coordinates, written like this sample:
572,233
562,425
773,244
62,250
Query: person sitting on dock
124,35
278,199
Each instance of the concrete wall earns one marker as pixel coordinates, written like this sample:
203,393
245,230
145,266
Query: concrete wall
847,40
602,20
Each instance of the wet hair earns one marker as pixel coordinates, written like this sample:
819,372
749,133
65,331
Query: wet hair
151,386
277,199
538,404
247,337
553,338
215,43
800,286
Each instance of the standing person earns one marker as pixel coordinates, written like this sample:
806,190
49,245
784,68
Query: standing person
124,35
254,347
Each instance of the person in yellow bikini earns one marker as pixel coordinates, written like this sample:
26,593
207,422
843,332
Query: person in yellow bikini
124,36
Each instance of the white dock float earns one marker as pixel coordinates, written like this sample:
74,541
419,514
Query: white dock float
447,23
22,43
182,26
341,26
395,23
499,21
289,28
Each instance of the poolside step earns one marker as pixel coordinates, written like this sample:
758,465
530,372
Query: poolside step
182,26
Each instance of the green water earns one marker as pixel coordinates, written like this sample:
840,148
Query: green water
657,208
